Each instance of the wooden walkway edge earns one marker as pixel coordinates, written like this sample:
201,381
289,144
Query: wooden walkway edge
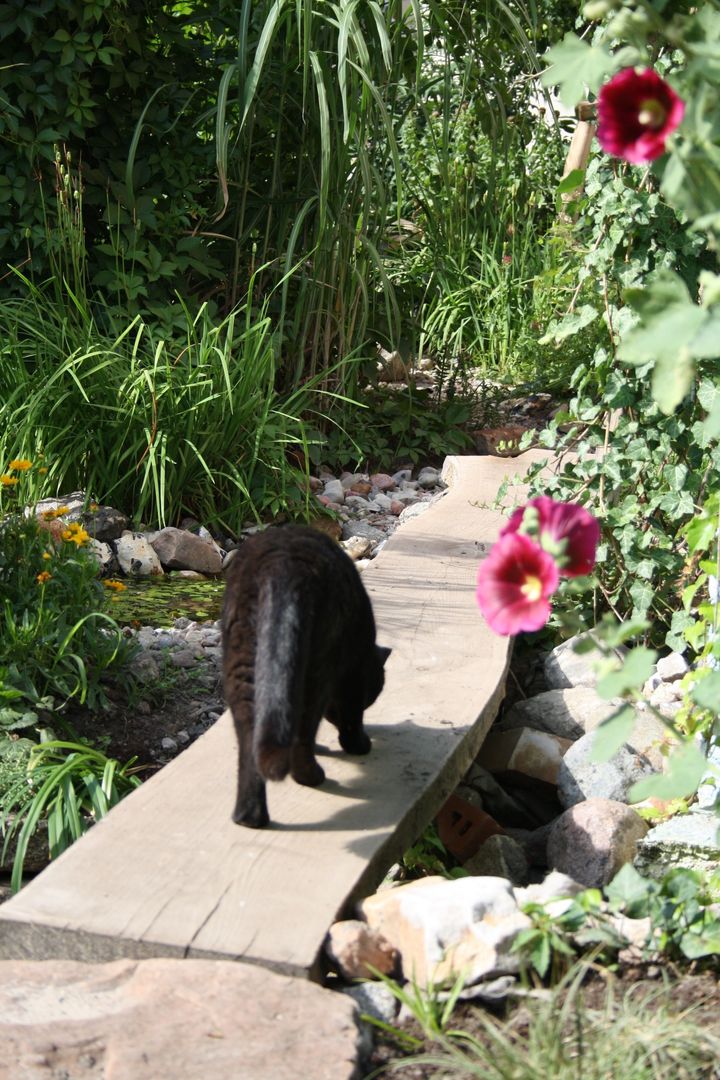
168,874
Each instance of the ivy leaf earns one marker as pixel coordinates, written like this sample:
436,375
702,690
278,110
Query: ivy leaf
637,669
629,892
568,183
706,692
576,65
704,943
612,733
685,769
571,324
711,424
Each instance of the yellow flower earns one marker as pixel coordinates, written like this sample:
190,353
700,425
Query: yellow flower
42,469
75,534
42,578
8,481
50,515
117,586
19,464
47,555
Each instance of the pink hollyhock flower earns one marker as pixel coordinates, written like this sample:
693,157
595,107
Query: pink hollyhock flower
566,531
514,584
637,111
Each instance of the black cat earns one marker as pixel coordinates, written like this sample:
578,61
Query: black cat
299,644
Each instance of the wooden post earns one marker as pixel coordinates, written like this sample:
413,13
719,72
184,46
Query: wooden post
579,151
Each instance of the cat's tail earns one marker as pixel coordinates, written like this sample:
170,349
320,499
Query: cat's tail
280,662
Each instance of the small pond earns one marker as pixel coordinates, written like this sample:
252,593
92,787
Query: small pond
159,601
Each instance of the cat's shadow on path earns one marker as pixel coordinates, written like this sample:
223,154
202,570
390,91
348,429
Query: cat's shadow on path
403,780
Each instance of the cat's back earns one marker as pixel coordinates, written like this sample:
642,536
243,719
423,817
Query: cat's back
298,559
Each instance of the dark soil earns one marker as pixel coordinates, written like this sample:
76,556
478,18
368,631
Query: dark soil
673,990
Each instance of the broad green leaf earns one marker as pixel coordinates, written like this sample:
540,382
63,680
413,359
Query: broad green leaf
629,891
706,692
705,943
711,424
570,182
685,770
570,325
576,65
612,733
636,670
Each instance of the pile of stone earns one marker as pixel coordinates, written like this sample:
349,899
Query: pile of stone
359,509
536,819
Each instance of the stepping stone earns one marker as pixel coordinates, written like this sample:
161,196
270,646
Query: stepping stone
185,1019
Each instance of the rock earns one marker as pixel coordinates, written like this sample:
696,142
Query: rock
135,556
535,754
375,999
673,667
651,738
75,502
334,491
579,777
555,892
105,523
428,477
381,503
362,528
593,839
354,948
463,828
104,555
492,796
179,549
144,668
568,713
401,476
185,658
396,507
151,1019
168,744
382,482
533,843
357,505
442,928
499,856
357,547
413,510
564,667
686,840
667,698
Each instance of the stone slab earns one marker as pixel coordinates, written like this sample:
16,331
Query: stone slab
155,1019
167,873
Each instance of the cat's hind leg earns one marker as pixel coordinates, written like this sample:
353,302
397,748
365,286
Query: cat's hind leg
251,804
304,768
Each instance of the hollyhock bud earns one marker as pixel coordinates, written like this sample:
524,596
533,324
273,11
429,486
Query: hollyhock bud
514,584
637,111
566,531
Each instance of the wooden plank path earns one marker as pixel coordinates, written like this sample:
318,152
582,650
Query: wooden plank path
167,873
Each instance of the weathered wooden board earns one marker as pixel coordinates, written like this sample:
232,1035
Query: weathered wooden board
168,873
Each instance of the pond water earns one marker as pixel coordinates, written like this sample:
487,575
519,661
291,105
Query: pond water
160,601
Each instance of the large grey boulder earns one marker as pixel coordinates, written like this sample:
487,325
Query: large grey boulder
581,777
135,555
686,840
564,667
569,713
161,1018
179,549
591,841
444,928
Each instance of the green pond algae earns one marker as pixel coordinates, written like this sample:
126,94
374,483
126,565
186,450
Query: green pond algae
159,601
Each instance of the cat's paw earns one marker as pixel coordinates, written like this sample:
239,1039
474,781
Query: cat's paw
252,815
355,742
309,774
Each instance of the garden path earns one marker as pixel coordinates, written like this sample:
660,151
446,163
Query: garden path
168,874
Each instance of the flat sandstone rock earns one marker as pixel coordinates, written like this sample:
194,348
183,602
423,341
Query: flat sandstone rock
156,1019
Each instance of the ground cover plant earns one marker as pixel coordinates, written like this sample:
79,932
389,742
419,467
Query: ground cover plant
59,643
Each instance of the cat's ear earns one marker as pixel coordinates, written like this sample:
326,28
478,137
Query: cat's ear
383,652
